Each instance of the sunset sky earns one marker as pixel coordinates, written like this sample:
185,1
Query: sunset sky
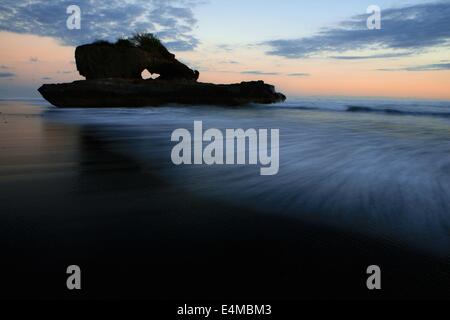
302,47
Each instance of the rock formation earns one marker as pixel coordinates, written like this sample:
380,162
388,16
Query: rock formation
139,93
104,60
113,79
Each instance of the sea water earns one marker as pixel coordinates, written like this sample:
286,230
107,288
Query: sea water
370,166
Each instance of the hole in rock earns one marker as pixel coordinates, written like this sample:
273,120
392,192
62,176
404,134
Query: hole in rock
147,75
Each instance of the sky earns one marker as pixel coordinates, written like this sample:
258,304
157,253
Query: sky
314,48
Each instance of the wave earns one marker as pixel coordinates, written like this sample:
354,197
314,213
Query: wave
396,111
430,108
339,171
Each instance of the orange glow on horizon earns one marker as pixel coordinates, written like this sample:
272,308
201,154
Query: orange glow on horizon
327,77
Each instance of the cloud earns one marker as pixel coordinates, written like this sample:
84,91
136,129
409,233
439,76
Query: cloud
261,73
7,75
229,62
34,59
374,56
46,78
173,21
225,47
299,74
4,67
412,28
425,67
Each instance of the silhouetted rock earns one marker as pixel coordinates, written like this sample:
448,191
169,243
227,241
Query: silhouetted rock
138,93
104,60
113,79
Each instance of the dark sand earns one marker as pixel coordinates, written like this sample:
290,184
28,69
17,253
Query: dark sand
67,200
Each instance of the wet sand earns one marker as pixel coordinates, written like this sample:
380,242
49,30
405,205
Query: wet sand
66,199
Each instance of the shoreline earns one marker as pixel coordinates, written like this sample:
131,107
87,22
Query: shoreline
137,236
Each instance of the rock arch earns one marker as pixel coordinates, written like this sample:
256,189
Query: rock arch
101,61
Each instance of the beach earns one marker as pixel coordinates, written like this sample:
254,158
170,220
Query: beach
357,186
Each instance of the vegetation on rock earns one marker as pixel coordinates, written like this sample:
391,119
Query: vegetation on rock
145,41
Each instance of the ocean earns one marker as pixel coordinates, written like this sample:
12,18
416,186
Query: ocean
367,173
